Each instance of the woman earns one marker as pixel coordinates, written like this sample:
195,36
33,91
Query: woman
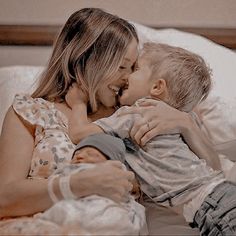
93,44
97,50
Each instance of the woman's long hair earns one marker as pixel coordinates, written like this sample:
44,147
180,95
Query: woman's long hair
88,50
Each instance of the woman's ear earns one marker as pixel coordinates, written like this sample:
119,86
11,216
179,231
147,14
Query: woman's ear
159,89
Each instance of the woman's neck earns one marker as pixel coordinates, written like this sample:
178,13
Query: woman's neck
101,113
64,108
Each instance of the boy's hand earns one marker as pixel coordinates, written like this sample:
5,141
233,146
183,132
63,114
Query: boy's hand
76,95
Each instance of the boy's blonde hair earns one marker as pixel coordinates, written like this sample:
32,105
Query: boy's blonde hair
187,76
88,50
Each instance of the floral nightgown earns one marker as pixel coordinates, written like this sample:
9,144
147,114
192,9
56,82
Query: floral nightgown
53,148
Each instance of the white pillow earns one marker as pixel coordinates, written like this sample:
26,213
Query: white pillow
218,112
218,115
221,60
15,79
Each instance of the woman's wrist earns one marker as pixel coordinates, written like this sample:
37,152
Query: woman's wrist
54,189
198,142
78,184
81,184
185,124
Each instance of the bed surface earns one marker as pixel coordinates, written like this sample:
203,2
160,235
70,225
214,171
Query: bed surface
218,112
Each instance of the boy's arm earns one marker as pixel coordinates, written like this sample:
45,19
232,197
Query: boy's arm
79,125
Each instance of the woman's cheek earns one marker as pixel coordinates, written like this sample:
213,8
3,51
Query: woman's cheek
108,101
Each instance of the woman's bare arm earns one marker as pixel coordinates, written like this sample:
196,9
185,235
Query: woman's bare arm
21,196
199,143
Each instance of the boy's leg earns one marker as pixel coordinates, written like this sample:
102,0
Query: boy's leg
217,214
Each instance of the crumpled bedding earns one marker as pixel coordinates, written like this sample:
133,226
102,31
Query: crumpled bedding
93,215
163,221
32,226
98,216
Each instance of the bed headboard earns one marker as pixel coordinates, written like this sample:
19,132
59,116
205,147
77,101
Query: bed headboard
43,35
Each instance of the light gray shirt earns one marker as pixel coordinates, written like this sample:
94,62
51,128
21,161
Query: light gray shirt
168,171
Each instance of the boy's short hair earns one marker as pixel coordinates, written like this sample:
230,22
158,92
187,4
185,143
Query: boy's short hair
187,76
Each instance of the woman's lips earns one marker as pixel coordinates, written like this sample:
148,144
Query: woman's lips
118,90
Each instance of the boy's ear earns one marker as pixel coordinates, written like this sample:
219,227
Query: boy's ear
159,89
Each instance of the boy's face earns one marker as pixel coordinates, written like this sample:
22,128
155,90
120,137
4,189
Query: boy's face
139,83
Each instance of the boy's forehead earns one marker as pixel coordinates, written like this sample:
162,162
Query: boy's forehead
143,59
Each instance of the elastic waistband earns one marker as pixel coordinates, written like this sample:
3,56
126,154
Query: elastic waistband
213,199
220,190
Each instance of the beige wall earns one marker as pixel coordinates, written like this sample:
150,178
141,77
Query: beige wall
212,13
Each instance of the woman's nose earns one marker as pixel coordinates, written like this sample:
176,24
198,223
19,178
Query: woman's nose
129,70
124,79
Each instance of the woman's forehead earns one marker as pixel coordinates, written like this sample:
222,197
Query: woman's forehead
132,51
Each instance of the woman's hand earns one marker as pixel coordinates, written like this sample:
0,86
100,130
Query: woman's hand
76,95
107,179
157,118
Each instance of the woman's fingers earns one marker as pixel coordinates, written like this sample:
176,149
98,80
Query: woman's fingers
141,129
116,164
149,135
127,174
130,186
130,175
118,183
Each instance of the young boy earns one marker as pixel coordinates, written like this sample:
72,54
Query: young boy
169,173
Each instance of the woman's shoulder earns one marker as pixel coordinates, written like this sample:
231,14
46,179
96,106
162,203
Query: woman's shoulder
31,109
26,100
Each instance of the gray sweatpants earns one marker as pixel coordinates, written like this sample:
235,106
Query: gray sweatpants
217,214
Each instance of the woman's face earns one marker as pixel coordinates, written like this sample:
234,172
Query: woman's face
108,94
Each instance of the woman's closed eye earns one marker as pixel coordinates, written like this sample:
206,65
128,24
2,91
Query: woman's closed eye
126,69
122,68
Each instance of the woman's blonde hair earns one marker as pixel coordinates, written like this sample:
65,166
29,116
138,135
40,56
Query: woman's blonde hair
187,76
88,50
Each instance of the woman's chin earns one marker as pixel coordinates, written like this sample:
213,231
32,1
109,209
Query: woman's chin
124,100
